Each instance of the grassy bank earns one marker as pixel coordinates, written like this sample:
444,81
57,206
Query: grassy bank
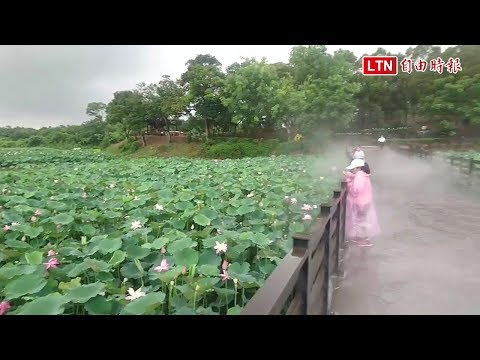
224,148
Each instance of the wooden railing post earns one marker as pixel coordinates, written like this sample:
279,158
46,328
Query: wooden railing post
340,246
300,247
471,165
325,211
344,209
338,211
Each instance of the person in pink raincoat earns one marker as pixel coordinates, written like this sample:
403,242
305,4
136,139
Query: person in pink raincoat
361,223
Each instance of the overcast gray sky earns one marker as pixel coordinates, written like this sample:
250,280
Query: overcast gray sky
51,85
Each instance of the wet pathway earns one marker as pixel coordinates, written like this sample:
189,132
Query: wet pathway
427,259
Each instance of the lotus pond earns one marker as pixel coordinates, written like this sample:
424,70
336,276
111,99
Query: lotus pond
149,236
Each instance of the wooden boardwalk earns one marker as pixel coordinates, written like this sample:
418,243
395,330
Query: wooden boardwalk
427,259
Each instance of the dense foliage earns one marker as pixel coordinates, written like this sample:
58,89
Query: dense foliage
149,236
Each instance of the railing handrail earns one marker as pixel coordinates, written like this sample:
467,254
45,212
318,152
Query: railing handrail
269,299
462,158
297,274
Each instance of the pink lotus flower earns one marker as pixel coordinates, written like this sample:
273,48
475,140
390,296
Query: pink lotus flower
52,253
225,265
163,250
4,307
52,263
307,207
34,218
307,217
7,228
164,266
38,212
224,275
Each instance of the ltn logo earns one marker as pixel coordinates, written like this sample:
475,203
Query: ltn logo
380,65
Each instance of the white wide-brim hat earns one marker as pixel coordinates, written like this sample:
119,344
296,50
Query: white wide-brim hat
355,164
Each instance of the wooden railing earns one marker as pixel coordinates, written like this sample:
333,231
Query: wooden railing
303,282
464,165
466,169
417,150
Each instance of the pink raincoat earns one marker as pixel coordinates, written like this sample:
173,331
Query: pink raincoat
361,218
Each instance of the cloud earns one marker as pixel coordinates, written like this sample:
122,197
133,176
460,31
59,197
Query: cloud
51,85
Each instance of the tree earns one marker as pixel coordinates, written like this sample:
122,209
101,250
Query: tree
97,113
250,95
203,82
290,110
164,103
309,61
128,110
456,98
328,84
96,110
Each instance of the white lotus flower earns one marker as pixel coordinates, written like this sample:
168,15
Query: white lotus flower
192,227
55,181
135,294
159,207
136,198
293,201
250,195
307,207
136,225
15,223
112,186
321,178
220,247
